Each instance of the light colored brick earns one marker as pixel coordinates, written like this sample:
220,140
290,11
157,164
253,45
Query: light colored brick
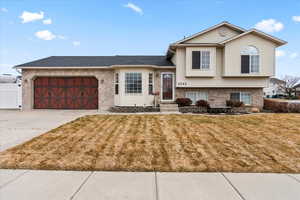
218,96
105,80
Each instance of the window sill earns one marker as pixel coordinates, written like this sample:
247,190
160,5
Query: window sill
133,94
205,70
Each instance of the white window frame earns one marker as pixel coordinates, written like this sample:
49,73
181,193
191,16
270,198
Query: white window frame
133,93
197,95
244,93
252,51
151,83
207,59
202,64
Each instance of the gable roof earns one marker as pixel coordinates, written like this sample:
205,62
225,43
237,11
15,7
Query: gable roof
224,23
97,61
276,40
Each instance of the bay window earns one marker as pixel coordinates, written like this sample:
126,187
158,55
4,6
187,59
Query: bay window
133,82
150,83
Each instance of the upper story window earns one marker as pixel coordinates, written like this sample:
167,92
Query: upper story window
201,60
249,60
133,82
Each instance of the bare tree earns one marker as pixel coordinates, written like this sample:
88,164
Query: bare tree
288,84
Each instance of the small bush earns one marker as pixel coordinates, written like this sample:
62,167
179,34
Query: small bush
183,102
234,103
202,103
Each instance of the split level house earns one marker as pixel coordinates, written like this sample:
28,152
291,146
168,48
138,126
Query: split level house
217,64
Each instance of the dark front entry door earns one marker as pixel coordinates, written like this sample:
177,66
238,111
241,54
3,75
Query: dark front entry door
65,93
167,86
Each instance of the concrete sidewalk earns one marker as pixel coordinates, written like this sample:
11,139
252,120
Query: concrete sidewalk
46,185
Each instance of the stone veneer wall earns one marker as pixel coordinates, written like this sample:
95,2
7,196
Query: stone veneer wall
105,80
218,96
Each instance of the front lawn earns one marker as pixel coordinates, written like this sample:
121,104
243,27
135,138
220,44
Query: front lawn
197,143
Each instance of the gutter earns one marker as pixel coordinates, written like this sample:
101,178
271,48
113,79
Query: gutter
98,67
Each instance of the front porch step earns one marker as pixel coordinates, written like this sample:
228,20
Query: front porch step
169,107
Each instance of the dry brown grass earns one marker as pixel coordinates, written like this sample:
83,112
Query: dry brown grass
248,143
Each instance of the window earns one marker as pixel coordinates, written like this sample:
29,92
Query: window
116,83
249,60
200,60
244,97
196,95
133,83
150,89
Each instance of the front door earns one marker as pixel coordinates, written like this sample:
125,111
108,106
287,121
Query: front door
167,84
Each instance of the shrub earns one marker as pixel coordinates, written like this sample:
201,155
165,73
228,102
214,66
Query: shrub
234,103
202,103
183,102
281,106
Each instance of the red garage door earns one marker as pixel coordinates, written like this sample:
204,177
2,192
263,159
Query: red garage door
65,93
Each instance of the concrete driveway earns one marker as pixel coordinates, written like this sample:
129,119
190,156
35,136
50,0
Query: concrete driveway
17,127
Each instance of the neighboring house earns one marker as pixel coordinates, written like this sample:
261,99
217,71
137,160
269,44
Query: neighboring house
10,91
274,88
297,90
220,63
9,78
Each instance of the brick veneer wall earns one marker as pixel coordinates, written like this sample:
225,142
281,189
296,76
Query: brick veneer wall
105,80
218,96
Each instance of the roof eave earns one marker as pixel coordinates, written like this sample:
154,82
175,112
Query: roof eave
92,67
276,40
237,28
197,45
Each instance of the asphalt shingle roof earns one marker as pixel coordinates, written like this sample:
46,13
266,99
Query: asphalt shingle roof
94,61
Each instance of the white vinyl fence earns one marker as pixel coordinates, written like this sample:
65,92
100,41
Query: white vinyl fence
10,96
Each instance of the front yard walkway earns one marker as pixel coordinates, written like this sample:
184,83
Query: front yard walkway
195,143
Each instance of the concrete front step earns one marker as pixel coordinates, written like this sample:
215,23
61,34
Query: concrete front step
169,108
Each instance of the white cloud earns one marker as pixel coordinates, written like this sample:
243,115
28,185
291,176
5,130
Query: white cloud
294,55
47,21
45,35
4,10
30,17
269,25
76,43
296,18
134,7
280,53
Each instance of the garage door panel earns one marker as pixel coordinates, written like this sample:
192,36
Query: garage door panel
41,97
66,93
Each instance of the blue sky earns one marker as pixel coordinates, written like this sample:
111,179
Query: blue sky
33,29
